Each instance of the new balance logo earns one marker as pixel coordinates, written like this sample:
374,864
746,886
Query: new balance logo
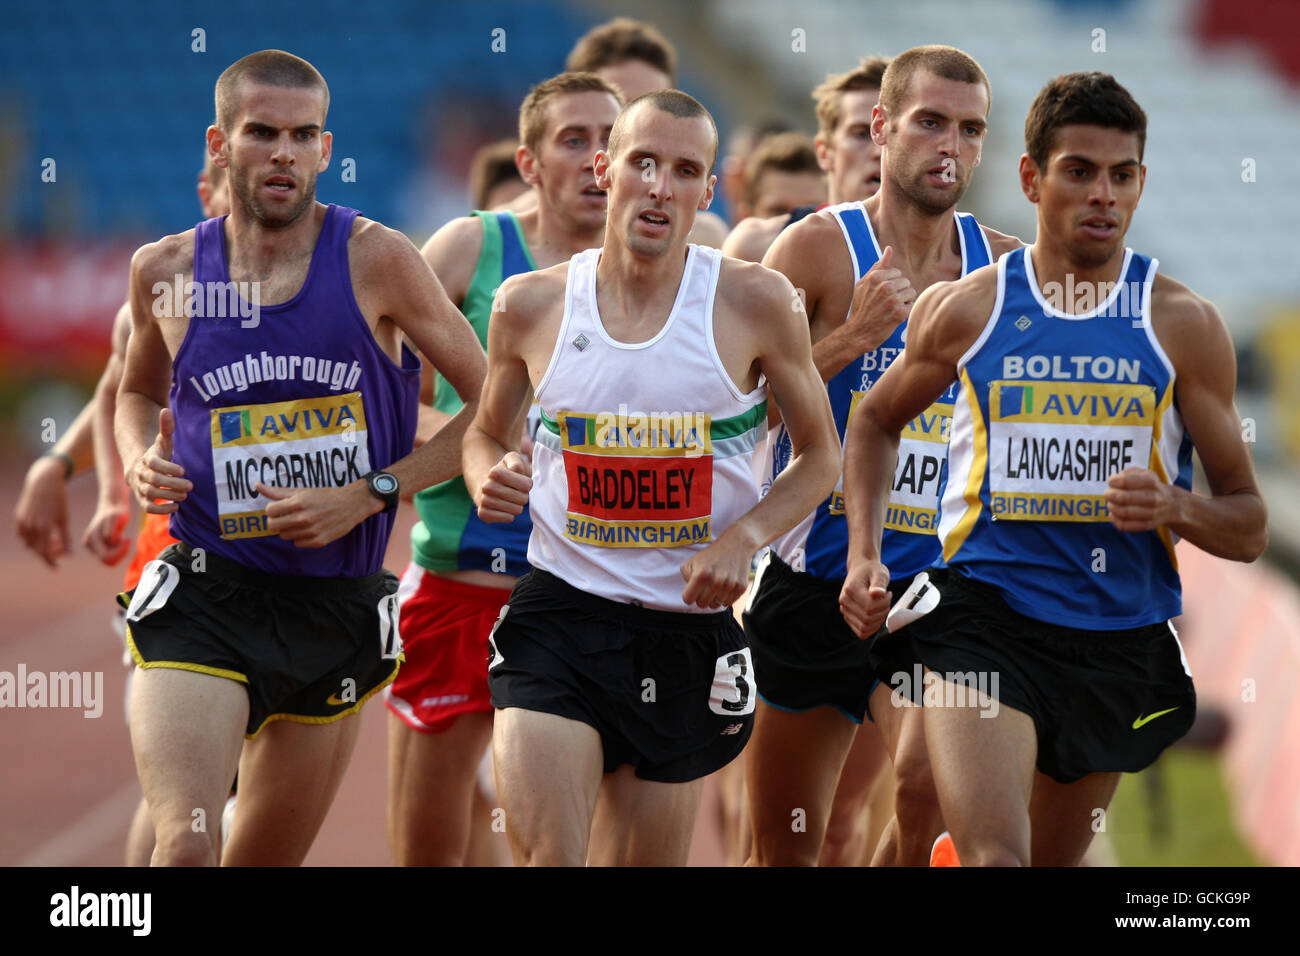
733,728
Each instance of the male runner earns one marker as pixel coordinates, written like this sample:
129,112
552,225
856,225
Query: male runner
859,264
851,159
273,619
845,151
781,175
494,178
636,58
461,568
89,443
650,359
1069,479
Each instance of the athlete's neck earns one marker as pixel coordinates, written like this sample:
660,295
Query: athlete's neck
551,240
638,291
920,238
254,250
1052,263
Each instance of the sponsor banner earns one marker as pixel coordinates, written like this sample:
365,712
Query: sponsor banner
922,452
1048,507
1053,446
308,443
637,480
645,534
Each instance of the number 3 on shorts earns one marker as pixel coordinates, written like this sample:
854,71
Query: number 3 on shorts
390,640
733,694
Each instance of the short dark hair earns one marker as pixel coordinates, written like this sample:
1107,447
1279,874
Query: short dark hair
272,67
491,166
673,102
619,40
1081,99
947,62
867,75
533,114
783,152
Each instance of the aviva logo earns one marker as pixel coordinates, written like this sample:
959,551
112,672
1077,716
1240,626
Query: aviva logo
1078,403
286,421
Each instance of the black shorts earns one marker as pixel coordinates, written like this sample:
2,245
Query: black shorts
310,650
804,651
669,693
1101,701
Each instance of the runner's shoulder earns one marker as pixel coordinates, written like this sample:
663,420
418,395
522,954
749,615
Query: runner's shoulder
957,310
752,237
709,229
752,290
1188,325
453,252
999,242
525,293
164,259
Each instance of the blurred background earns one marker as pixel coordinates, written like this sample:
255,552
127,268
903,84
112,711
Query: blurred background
103,108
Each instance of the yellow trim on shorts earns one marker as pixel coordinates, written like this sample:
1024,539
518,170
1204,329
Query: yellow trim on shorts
141,663
306,719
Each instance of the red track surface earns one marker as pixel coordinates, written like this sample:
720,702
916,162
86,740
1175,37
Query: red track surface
69,785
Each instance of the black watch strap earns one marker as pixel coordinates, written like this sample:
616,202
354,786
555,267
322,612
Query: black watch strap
384,486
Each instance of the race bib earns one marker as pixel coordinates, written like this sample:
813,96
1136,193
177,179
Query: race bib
922,452
1054,445
638,481
309,443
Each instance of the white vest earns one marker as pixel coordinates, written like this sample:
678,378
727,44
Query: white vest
645,453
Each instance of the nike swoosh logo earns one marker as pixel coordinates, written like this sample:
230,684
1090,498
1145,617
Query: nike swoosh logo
333,701
1141,721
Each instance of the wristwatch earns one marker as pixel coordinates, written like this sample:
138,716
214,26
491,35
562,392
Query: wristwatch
384,486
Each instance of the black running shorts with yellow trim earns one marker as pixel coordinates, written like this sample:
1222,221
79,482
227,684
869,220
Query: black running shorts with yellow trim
669,693
309,650
805,653
1101,701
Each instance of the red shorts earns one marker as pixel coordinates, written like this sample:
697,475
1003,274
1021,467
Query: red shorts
444,627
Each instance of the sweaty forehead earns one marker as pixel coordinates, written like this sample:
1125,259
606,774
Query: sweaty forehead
953,98
1101,145
649,129
586,108
279,105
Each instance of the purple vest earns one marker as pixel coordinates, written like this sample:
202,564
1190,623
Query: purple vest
296,395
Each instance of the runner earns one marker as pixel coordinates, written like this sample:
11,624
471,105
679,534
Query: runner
462,569
273,618
613,682
1050,662
860,264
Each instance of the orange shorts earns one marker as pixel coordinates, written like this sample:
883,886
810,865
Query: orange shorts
444,626
154,537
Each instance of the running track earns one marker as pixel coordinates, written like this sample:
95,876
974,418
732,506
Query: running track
69,785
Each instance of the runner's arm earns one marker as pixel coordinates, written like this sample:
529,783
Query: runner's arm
103,535
1232,522
143,424
941,329
717,576
498,477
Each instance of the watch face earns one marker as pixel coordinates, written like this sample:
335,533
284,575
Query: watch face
385,484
